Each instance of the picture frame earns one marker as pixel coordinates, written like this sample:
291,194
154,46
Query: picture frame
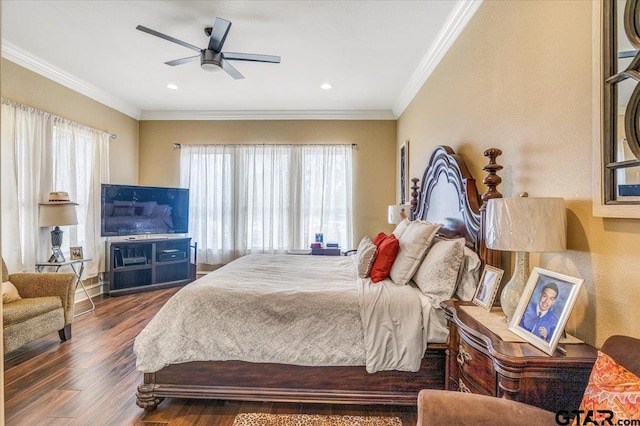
544,332
488,287
58,255
404,172
76,253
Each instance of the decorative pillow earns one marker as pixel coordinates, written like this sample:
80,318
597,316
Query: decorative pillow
611,387
365,256
469,276
9,292
438,272
387,252
401,227
378,238
123,211
414,243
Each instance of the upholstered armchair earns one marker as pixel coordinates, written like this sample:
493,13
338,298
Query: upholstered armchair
46,305
439,407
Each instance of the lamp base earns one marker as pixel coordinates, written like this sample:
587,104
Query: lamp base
512,291
56,237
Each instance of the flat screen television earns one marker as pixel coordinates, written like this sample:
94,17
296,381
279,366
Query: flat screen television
139,210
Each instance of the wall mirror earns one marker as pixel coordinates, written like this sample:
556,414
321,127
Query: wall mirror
618,165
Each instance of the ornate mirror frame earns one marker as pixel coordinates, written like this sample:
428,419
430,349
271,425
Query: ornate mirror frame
616,108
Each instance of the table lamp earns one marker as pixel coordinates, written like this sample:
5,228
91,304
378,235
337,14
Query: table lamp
58,211
524,225
398,212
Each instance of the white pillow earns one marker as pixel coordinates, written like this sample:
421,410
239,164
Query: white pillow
469,275
401,227
9,292
438,273
414,243
365,256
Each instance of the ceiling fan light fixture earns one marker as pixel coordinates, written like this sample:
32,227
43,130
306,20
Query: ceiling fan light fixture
210,67
210,61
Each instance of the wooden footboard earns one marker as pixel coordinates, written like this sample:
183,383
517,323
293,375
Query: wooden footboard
236,380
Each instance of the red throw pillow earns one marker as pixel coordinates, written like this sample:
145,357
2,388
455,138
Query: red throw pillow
378,239
387,252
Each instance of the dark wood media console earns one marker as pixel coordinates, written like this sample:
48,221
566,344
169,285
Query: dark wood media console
144,265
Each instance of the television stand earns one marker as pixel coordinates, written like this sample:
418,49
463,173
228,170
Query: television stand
142,265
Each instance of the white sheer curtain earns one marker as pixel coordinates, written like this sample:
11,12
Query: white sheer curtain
43,153
266,198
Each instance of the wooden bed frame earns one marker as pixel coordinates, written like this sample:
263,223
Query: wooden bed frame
448,195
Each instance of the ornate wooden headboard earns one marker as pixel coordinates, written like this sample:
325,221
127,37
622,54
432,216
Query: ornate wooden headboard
448,195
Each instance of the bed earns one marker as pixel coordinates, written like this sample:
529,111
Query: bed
337,368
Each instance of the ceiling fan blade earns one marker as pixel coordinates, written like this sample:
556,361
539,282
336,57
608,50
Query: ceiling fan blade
218,34
168,38
182,60
231,70
251,57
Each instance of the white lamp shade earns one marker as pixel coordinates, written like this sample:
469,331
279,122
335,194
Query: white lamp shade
526,224
57,214
398,212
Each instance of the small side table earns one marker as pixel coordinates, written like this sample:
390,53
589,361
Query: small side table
77,265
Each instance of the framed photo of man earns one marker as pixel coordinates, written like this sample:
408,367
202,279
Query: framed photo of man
544,308
488,287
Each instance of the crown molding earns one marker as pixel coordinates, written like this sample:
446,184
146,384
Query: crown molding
22,58
456,22
270,115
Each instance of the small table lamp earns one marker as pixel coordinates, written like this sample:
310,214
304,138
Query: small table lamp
58,211
398,212
524,225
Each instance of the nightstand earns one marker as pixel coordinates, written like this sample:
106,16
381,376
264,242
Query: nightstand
481,362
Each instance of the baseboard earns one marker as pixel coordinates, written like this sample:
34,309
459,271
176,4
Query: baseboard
94,289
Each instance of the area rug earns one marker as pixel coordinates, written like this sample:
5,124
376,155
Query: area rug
263,419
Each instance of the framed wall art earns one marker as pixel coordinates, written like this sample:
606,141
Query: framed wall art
404,172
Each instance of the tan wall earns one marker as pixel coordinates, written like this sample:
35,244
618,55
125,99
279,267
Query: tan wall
374,160
519,78
24,86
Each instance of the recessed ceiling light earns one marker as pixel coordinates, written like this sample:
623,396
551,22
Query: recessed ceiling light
172,86
326,86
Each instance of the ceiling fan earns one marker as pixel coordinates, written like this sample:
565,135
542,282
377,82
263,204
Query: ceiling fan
212,58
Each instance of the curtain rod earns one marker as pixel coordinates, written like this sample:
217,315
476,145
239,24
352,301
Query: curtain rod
178,145
6,101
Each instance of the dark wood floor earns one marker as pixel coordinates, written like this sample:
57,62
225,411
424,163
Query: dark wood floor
91,379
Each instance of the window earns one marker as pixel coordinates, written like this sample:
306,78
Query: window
43,153
266,198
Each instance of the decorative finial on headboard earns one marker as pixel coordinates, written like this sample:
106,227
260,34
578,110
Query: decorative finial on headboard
490,257
492,179
414,197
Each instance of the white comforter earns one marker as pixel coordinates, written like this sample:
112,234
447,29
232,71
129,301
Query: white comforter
303,310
